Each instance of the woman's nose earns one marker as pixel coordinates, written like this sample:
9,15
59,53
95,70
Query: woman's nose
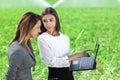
48,22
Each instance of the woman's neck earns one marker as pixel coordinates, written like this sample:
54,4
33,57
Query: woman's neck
53,33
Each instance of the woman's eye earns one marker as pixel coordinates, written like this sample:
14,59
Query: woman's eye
44,20
51,20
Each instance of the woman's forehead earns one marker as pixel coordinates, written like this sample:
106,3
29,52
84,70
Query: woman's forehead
48,16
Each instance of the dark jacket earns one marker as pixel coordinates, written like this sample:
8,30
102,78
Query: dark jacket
20,62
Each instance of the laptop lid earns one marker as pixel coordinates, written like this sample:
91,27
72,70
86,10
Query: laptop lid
97,47
86,63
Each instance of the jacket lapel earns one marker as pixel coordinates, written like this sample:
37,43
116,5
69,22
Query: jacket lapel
31,53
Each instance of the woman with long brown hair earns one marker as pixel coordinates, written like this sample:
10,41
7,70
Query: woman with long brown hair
55,47
20,53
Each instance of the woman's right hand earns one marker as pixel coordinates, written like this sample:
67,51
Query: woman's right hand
78,55
84,53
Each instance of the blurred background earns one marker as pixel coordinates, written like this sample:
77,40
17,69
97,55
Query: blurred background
63,3
82,20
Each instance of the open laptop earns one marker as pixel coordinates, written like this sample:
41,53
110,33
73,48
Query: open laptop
86,63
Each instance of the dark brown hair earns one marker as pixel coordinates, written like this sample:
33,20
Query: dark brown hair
53,12
24,27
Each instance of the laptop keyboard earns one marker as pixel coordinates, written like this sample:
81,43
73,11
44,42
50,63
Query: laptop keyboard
82,63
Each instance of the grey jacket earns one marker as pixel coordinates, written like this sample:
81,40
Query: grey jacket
20,62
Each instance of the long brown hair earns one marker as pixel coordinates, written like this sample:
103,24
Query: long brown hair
52,11
24,27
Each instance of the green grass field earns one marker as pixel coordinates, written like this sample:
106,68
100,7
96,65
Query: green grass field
82,25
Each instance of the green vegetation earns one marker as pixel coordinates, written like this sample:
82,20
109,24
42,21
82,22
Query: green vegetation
82,25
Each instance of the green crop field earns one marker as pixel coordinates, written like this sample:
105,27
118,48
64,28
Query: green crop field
82,25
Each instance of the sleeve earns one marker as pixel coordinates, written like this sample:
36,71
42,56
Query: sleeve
15,61
47,56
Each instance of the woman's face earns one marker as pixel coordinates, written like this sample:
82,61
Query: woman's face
35,30
49,22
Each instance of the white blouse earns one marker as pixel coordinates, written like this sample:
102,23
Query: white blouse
54,50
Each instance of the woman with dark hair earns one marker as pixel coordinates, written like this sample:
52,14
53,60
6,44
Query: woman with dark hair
20,54
55,47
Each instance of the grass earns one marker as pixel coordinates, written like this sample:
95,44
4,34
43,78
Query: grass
82,25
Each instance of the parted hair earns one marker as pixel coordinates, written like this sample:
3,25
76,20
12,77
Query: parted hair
24,27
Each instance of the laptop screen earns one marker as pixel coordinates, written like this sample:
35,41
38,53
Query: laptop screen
97,46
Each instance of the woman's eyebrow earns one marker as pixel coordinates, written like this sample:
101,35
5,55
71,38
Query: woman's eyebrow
48,19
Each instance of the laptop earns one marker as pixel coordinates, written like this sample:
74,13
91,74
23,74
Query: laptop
85,63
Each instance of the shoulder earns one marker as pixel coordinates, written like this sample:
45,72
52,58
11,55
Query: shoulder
16,46
43,35
64,36
43,38
16,49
